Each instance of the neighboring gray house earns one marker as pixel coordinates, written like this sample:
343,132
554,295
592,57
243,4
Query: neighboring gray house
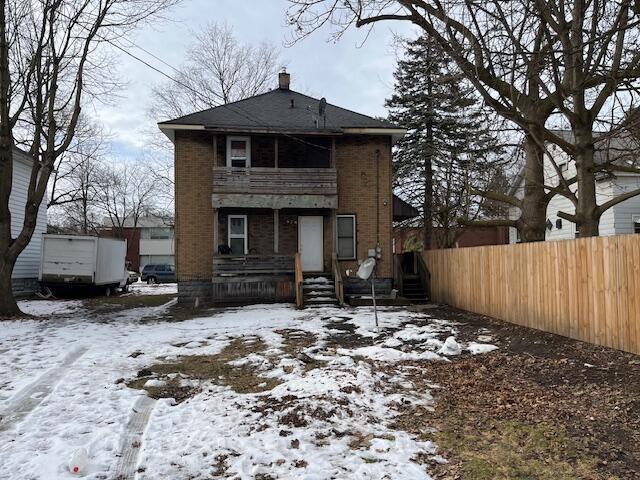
623,218
25,273
151,241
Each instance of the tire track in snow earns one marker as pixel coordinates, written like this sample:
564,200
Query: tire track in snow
132,439
25,401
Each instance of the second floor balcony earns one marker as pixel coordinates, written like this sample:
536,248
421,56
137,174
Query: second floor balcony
263,187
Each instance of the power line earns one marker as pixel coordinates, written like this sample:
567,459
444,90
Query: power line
234,109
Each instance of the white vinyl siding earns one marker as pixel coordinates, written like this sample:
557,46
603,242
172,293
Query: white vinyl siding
624,212
28,263
617,220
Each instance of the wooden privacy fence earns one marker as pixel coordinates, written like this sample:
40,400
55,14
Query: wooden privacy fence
587,289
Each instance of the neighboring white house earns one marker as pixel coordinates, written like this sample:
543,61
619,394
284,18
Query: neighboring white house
623,218
156,241
25,272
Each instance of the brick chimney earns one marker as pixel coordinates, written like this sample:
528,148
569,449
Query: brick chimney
284,80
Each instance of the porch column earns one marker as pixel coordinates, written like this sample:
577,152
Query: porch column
215,231
276,229
334,233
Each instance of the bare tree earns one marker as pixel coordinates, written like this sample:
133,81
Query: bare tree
218,69
126,193
52,55
529,60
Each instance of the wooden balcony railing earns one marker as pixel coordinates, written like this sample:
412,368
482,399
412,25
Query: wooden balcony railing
281,181
253,265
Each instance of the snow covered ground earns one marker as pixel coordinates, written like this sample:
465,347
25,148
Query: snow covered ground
141,288
329,415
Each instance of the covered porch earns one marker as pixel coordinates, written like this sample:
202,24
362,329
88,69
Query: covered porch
258,240
265,254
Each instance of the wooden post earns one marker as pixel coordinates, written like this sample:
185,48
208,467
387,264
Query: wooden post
334,233
275,146
276,230
332,158
215,150
215,231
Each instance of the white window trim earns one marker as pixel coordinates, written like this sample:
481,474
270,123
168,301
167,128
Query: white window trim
244,235
240,139
355,243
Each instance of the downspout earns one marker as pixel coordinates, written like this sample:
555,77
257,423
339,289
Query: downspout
377,198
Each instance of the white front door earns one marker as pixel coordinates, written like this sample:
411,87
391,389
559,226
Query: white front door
310,235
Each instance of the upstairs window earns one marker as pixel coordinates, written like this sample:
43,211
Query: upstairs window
239,152
346,237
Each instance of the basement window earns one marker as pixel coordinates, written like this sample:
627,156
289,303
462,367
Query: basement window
346,237
239,152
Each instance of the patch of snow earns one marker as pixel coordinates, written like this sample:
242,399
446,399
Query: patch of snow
154,382
141,288
388,354
46,308
478,348
450,347
317,280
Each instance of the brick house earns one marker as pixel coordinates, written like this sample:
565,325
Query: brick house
278,174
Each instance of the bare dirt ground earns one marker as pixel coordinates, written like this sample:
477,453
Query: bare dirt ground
542,406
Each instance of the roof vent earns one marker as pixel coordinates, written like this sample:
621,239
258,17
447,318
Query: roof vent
284,80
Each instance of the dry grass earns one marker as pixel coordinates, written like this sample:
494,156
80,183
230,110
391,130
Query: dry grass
214,368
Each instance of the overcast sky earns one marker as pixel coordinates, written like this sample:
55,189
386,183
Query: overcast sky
348,73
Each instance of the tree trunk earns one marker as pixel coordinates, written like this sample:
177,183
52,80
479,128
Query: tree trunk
428,172
8,305
534,202
428,194
587,216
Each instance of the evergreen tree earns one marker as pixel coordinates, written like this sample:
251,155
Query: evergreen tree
448,146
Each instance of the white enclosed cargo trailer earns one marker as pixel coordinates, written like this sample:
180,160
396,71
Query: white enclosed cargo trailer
83,261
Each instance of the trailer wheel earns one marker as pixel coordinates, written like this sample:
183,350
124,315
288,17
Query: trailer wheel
107,292
151,281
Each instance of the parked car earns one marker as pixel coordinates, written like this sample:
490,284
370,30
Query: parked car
132,277
163,273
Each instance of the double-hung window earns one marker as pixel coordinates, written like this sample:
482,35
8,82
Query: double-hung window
238,234
346,237
239,152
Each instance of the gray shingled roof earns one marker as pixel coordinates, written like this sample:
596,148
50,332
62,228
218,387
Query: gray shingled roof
273,111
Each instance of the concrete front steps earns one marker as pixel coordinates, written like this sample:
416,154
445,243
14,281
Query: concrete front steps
319,291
